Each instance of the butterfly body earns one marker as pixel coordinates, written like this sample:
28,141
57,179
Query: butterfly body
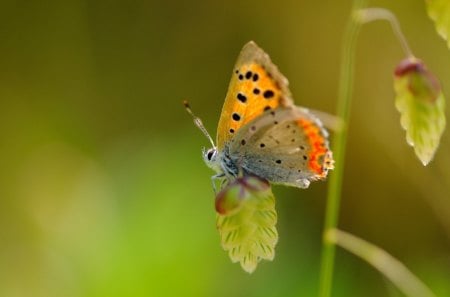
262,133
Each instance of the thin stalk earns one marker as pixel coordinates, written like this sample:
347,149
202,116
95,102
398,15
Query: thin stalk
389,266
338,147
373,14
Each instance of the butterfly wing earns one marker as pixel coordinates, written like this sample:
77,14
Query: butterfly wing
284,146
256,85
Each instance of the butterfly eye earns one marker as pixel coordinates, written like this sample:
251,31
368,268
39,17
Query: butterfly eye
210,155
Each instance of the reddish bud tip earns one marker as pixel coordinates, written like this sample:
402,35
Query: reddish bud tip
422,83
230,199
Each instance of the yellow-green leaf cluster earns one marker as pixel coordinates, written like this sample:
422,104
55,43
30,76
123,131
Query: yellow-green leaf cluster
439,12
421,104
249,234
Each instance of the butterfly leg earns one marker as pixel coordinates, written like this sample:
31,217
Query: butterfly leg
216,177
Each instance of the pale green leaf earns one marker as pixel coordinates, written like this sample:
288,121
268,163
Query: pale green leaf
421,104
439,12
249,235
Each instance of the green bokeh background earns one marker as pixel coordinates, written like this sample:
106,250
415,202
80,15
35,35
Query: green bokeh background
102,188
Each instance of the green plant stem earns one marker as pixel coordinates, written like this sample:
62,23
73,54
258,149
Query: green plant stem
390,267
338,147
374,14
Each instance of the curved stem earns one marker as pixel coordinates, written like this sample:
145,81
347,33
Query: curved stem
389,266
372,14
338,147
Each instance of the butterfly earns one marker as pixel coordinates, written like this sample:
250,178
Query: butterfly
261,131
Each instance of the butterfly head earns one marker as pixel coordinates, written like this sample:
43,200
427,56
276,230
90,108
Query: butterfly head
211,158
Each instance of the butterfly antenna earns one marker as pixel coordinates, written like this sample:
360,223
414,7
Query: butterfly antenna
198,122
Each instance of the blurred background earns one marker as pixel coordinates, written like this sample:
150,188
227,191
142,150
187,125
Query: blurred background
103,191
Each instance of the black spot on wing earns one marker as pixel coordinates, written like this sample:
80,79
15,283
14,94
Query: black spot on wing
268,94
241,98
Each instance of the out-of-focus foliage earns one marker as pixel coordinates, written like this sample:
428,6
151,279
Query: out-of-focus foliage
421,104
439,12
247,228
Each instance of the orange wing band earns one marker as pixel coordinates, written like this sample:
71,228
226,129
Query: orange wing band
319,156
